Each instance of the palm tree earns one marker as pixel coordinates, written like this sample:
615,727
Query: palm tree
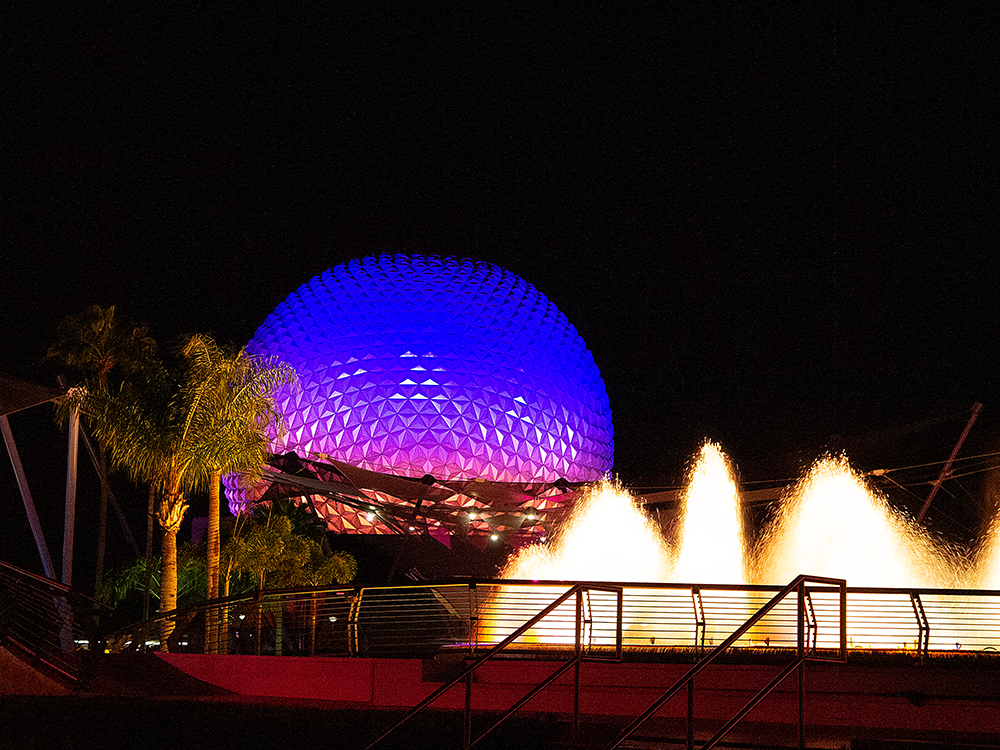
230,425
278,555
138,421
184,430
97,342
129,579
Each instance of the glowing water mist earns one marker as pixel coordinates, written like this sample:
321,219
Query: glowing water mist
830,524
607,538
833,524
986,574
710,544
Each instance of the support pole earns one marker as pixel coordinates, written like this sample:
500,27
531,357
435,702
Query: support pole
126,529
946,469
577,646
70,520
29,504
802,664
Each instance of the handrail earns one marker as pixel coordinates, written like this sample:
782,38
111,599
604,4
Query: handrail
797,584
812,625
414,620
923,626
255,597
577,590
700,623
46,623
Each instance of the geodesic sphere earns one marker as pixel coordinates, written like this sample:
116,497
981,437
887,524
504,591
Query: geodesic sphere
417,365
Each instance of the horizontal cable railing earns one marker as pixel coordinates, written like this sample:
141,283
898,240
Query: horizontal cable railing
47,624
288,622
420,620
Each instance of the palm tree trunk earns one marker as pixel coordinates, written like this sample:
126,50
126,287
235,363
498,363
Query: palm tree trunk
223,646
168,584
213,550
172,508
102,522
214,546
150,507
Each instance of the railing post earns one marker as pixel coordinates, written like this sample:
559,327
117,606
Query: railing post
802,704
619,624
313,616
700,624
843,623
802,662
923,626
576,672
259,617
353,636
812,625
473,620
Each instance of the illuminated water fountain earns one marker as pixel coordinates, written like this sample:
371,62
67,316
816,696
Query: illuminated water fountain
607,538
833,524
830,524
986,573
610,538
710,545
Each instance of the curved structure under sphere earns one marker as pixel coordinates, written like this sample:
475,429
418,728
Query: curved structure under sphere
416,365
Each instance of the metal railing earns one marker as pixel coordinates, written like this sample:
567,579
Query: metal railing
47,624
286,622
424,619
583,615
806,650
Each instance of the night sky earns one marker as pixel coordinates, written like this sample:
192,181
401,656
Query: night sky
773,228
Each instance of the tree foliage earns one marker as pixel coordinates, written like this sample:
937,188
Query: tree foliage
131,578
97,341
270,550
227,401
181,427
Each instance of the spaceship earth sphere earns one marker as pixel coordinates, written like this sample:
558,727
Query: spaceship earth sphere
414,365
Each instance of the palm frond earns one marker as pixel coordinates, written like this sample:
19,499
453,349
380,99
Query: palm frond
97,341
131,578
230,415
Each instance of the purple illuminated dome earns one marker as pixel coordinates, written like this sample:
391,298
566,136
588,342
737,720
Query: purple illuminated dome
415,365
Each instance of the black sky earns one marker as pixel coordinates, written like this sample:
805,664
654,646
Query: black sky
771,226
